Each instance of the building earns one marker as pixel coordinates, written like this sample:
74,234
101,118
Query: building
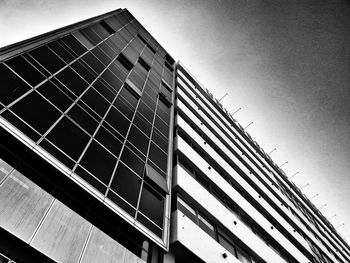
112,152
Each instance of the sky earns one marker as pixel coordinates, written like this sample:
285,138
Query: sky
285,63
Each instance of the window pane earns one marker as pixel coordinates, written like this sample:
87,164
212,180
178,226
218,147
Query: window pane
138,139
62,52
243,256
146,111
126,184
110,141
95,101
50,148
104,90
47,59
72,81
12,86
68,137
133,161
23,205
152,204
162,127
55,95
158,157
89,178
226,244
19,124
206,226
26,70
99,162
112,80
73,44
83,119
93,62
118,121
62,234
36,111
142,124
88,74
160,141
124,107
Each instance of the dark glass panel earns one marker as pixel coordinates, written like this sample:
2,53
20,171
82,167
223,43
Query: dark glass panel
120,202
152,204
10,117
55,95
12,86
118,41
72,81
99,162
91,35
104,90
158,157
163,115
90,179
118,121
95,101
36,111
112,80
148,101
161,126
26,70
107,27
69,137
129,96
138,139
83,119
145,111
142,124
64,89
160,141
110,141
164,107
100,30
84,71
124,107
137,80
147,223
89,111
118,70
101,56
126,184
93,62
73,44
227,244
144,64
127,64
142,39
133,161
61,51
107,50
57,154
47,59
206,226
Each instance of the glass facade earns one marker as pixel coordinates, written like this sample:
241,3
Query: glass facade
97,100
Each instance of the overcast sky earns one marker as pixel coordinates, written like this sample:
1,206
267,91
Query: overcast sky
286,64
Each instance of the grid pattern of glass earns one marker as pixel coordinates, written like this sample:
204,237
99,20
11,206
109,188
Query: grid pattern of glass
95,100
